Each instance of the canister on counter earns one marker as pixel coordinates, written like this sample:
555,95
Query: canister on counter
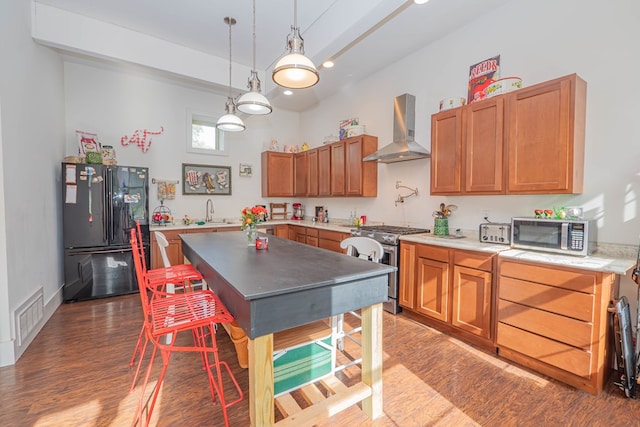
262,243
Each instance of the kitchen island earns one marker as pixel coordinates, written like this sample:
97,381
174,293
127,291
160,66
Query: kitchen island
289,285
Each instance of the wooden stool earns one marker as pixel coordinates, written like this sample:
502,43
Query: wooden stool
278,210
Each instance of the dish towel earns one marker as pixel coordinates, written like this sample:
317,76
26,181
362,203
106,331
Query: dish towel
166,189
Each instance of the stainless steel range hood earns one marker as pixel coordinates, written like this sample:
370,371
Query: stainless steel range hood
403,147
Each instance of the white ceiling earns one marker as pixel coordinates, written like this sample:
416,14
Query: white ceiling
362,36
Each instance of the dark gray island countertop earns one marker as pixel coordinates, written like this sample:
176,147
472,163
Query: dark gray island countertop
287,285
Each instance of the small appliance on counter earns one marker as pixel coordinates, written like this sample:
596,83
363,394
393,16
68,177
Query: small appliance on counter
495,232
298,211
563,236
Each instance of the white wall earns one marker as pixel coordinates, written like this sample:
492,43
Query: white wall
42,104
539,41
114,103
32,117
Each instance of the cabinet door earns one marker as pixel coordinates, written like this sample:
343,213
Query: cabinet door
174,250
281,231
484,146
277,174
353,167
407,297
432,287
545,131
471,310
324,171
312,241
312,178
446,152
300,174
338,164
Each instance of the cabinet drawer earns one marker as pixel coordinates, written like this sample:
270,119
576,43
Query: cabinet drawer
312,232
473,260
312,241
331,235
548,298
550,325
433,252
297,229
554,353
584,281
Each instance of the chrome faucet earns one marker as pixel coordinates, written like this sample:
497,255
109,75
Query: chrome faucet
209,211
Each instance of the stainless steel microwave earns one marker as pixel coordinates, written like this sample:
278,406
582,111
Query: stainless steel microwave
568,237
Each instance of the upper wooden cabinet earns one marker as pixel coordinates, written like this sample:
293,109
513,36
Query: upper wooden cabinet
338,168
335,169
301,174
350,176
545,137
277,174
361,178
312,167
446,152
530,141
324,171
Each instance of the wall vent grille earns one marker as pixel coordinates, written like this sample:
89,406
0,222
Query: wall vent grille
28,317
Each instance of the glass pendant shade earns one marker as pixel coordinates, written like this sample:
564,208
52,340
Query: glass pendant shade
253,102
230,122
295,70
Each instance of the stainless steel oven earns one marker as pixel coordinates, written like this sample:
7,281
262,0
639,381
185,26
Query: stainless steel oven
389,238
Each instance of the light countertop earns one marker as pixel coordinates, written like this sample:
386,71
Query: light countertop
339,226
618,259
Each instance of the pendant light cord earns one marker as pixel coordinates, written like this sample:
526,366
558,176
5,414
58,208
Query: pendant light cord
295,13
254,35
230,23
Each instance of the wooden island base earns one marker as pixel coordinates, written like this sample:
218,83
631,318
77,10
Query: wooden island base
327,396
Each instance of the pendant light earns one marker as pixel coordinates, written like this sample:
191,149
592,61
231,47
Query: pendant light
294,70
253,102
230,122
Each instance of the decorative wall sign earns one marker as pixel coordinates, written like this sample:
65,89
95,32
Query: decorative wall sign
245,169
141,138
206,179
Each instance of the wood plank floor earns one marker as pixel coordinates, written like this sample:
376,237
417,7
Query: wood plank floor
76,374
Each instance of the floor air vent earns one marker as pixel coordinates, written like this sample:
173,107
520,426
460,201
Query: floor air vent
28,317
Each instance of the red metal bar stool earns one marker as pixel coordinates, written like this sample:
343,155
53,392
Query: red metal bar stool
181,276
174,274
196,312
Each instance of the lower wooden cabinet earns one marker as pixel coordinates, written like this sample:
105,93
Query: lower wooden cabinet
174,250
281,230
312,236
298,233
328,239
554,320
449,288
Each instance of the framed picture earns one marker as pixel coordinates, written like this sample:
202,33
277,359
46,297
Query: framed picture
245,169
206,179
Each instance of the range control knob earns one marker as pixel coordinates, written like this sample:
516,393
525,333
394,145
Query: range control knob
485,237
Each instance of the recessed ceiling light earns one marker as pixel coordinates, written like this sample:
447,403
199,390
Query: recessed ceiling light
288,92
420,1
328,64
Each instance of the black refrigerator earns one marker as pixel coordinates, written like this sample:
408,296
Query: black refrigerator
101,205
